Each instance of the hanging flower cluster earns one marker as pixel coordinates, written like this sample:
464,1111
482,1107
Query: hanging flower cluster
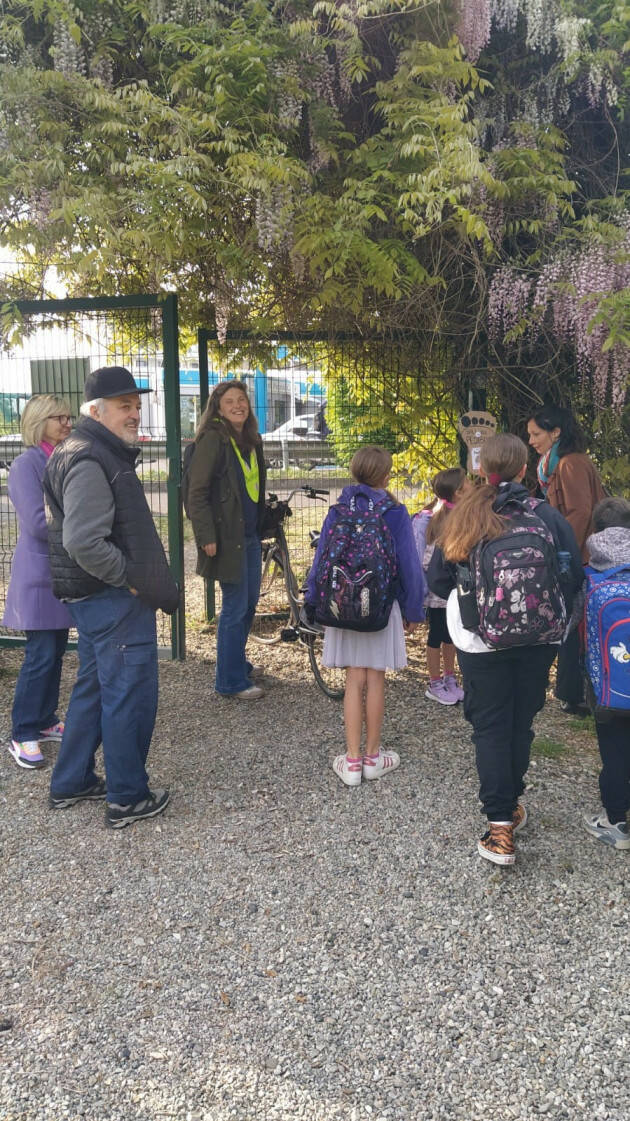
185,12
473,26
508,301
68,56
568,295
547,28
274,219
289,104
221,314
572,287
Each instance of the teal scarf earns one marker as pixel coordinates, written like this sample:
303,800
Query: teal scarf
546,467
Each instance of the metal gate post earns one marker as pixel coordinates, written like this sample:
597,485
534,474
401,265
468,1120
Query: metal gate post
202,351
202,348
170,346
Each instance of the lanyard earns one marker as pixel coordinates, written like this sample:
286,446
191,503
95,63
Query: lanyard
250,471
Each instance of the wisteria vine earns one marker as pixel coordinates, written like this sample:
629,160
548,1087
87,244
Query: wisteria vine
547,28
567,297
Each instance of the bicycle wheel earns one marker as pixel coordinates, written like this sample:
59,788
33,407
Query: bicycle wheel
272,610
331,680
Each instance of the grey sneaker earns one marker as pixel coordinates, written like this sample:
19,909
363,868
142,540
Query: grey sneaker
94,793
117,817
617,836
252,693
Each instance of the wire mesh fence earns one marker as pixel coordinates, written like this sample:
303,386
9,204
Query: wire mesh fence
55,348
317,400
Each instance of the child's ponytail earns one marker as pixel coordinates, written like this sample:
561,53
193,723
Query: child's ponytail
445,486
473,518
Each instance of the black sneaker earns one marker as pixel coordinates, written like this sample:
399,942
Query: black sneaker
116,817
94,793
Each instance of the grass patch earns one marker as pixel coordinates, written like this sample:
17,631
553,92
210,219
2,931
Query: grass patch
546,748
583,724
154,476
161,524
280,474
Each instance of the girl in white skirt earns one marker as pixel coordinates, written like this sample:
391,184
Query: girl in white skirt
366,655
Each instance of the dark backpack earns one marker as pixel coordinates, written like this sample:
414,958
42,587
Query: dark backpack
356,572
607,624
516,582
189,451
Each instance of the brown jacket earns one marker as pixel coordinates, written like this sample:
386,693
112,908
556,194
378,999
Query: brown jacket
574,489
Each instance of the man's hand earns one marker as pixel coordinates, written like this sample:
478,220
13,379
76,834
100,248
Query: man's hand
210,550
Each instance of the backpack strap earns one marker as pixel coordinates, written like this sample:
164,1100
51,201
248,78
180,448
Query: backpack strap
607,573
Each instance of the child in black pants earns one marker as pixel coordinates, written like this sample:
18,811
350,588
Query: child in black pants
503,688
608,547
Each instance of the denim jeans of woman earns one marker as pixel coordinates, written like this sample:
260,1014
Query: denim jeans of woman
238,604
37,690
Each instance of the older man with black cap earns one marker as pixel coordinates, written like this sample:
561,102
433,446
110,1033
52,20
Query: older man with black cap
109,566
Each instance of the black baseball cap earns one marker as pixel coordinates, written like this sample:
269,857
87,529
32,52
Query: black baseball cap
110,381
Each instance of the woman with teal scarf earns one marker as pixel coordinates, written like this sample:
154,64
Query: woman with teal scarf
570,482
226,501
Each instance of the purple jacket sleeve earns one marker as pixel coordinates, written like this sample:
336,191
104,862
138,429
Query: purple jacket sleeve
411,590
329,521
27,495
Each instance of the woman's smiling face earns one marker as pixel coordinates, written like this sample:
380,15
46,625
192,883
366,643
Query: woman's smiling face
540,438
234,406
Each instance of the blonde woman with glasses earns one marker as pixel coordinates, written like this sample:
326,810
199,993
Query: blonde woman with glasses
31,605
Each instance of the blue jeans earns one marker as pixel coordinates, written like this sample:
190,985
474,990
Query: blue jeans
114,699
37,690
238,604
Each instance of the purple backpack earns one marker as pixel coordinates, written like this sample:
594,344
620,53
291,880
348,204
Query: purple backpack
356,572
517,582
607,624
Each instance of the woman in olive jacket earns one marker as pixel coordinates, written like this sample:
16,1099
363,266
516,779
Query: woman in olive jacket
570,482
226,502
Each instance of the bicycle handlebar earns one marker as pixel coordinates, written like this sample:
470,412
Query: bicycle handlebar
310,492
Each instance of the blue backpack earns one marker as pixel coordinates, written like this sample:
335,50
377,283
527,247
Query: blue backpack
607,626
355,577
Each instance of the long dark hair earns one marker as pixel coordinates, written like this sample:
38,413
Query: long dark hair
571,439
249,437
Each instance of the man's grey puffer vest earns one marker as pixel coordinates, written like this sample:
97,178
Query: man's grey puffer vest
133,530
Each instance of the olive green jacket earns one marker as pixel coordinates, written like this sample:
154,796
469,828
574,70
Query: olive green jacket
214,502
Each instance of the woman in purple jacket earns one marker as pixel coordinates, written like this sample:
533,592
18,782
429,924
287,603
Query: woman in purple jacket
31,606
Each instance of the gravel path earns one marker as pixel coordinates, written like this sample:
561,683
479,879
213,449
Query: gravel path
278,946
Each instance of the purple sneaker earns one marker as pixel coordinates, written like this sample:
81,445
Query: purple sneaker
439,692
27,754
454,689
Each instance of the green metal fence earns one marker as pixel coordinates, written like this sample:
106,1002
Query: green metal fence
59,343
318,398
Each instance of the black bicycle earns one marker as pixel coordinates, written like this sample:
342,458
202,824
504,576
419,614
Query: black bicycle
279,616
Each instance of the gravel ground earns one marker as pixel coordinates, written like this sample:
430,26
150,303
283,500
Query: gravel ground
278,946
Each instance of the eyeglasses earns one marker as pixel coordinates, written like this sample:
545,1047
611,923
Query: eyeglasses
63,418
